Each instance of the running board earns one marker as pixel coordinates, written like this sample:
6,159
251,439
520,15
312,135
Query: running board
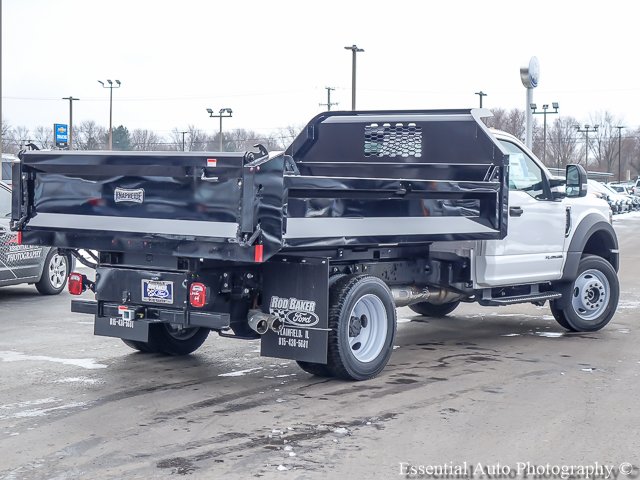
533,297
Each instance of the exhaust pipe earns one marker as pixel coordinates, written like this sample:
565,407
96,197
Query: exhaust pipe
259,322
407,295
275,324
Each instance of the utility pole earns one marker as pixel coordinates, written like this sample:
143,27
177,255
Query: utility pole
480,94
619,152
328,104
110,87
183,134
544,128
71,99
224,112
586,130
354,49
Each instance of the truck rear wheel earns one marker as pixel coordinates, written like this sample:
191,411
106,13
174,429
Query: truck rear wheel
432,310
317,369
143,347
593,297
362,322
171,340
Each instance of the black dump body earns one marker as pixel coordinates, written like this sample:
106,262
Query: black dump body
350,179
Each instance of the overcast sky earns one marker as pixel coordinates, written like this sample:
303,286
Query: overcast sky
270,60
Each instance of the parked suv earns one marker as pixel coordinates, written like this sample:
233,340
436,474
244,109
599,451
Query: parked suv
43,266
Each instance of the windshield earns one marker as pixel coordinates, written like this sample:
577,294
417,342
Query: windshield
607,187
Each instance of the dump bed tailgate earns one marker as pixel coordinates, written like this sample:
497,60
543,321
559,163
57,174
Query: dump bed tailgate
161,202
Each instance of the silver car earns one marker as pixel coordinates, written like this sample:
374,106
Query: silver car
43,266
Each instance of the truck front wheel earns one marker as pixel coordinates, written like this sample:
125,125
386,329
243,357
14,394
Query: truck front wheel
362,322
432,310
592,299
171,340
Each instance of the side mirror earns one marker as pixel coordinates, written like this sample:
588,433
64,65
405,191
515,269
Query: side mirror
576,181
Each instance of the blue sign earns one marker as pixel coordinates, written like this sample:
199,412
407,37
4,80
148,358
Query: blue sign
61,134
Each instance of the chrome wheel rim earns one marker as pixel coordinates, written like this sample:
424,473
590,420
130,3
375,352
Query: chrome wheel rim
590,294
57,270
367,328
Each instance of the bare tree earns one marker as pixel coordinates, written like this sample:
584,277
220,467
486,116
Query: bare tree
195,139
90,136
43,137
632,145
145,140
7,141
512,122
562,143
605,141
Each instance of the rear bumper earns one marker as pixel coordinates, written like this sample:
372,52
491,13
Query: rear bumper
104,312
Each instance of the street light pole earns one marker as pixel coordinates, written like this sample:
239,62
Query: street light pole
480,94
224,112
183,133
544,127
71,99
586,130
354,49
619,152
329,103
110,87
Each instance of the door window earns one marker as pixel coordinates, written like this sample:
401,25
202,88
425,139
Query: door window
524,174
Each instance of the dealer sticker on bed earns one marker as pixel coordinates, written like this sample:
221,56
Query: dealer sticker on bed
156,291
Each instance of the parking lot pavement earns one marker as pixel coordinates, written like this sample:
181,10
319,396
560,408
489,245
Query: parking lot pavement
485,385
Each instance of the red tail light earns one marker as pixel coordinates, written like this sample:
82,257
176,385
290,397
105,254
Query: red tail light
198,295
258,253
76,283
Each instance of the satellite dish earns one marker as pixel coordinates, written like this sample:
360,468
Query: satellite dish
530,75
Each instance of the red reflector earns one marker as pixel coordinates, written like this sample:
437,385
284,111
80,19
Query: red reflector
76,283
19,237
198,295
258,253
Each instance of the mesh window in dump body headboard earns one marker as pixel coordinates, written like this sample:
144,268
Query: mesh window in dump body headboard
397,140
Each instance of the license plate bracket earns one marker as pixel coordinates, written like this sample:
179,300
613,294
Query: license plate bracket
157,291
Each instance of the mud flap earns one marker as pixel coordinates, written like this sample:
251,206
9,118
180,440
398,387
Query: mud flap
297,292
137,330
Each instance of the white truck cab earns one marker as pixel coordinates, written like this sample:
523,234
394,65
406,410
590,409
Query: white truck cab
559,247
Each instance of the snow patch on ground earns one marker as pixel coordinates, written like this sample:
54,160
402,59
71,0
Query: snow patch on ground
88,363
239,373
85,380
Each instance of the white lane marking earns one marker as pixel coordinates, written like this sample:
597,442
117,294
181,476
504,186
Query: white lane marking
88,363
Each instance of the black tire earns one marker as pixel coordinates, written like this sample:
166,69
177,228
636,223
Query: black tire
432,310
140,346
317,369
163,338
360,361
592,297
54,273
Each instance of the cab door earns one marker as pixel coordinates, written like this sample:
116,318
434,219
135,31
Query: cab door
533,249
